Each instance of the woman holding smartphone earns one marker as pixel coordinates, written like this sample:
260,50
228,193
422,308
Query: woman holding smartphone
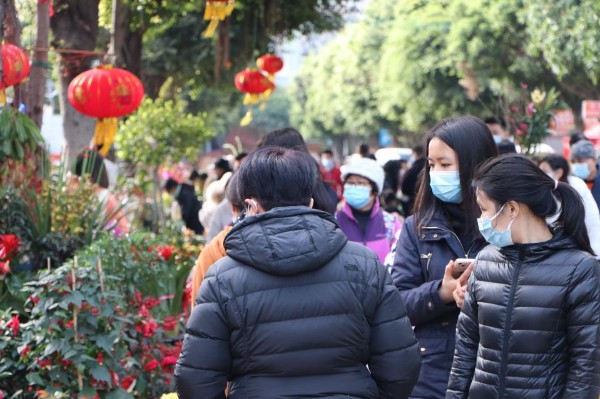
530,323
442,229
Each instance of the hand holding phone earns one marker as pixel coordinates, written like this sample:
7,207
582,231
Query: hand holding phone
460,265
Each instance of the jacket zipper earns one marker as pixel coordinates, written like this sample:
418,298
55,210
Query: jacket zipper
451,232
509,311
428,257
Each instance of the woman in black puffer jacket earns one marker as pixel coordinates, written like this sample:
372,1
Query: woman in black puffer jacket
295,310
530,321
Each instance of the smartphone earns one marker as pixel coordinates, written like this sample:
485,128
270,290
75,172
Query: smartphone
460,265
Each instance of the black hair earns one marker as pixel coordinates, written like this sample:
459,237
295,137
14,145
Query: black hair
171,184
232,193
419,150
363,149
224,164
495,120
391,170
241,156
195,175
91,163
558,162
287,137
506,147
278,177
514,177
575,136
327,151
473,143
291,138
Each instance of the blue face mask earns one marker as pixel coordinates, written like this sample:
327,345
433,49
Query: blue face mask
497,139
446,186
357,196
581,170
491,235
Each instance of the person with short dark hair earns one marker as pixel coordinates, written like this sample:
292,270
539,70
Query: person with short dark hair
332,176
364,151
185,195
294,310
530,323
499,130
442,229
324,195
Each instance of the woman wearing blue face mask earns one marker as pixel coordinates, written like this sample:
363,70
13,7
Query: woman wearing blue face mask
361,219
442,229
530,322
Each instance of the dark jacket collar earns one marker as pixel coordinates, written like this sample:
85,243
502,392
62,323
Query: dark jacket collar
286,241
540,250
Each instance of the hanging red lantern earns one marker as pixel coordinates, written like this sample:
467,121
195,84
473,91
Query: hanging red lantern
253,83
215,12
15,68
105,93
270,64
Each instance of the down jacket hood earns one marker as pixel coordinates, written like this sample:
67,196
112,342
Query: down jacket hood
286,241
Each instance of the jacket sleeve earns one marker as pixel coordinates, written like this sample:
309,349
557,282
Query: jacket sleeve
583,331
395,360
204,364
467,342
423,303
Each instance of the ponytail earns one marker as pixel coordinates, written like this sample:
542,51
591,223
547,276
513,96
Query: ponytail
572,215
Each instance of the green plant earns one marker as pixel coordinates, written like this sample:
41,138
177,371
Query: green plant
19,135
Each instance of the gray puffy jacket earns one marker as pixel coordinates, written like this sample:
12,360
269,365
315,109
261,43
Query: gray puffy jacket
296,311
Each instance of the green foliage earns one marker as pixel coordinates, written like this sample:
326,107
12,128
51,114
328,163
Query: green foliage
102,324
161,129
18,134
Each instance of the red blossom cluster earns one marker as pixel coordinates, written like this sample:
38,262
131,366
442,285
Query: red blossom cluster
9,244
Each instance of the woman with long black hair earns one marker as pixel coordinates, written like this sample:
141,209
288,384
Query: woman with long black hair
442,229
530,322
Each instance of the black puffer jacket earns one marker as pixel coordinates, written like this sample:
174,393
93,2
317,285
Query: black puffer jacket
530,324
296,311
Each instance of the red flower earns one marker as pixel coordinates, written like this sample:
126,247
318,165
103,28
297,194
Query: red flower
100,358
15,324
169,323
95,312
34,299
147,328
8,246
44,363
167,363
165,251
25,351
69,324
127,382
151,365
151,302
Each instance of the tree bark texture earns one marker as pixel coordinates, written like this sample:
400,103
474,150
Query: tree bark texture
36,86
75,27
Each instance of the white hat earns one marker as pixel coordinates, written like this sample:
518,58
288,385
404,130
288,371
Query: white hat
367,168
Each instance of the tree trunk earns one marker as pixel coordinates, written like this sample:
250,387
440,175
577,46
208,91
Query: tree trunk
75,27
126,45
36,87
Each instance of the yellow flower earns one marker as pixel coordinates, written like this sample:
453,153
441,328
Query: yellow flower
538,96
169,396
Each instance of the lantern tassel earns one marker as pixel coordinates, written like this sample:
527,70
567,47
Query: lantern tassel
211,28
247,119
251,99
2,97
104,136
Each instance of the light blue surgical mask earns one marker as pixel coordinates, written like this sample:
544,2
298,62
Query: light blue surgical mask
497,139
357,196
491,235
446,186
581,170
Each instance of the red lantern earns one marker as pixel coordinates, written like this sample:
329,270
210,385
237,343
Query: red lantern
253,83
15,68
216,11
271,64
105,93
